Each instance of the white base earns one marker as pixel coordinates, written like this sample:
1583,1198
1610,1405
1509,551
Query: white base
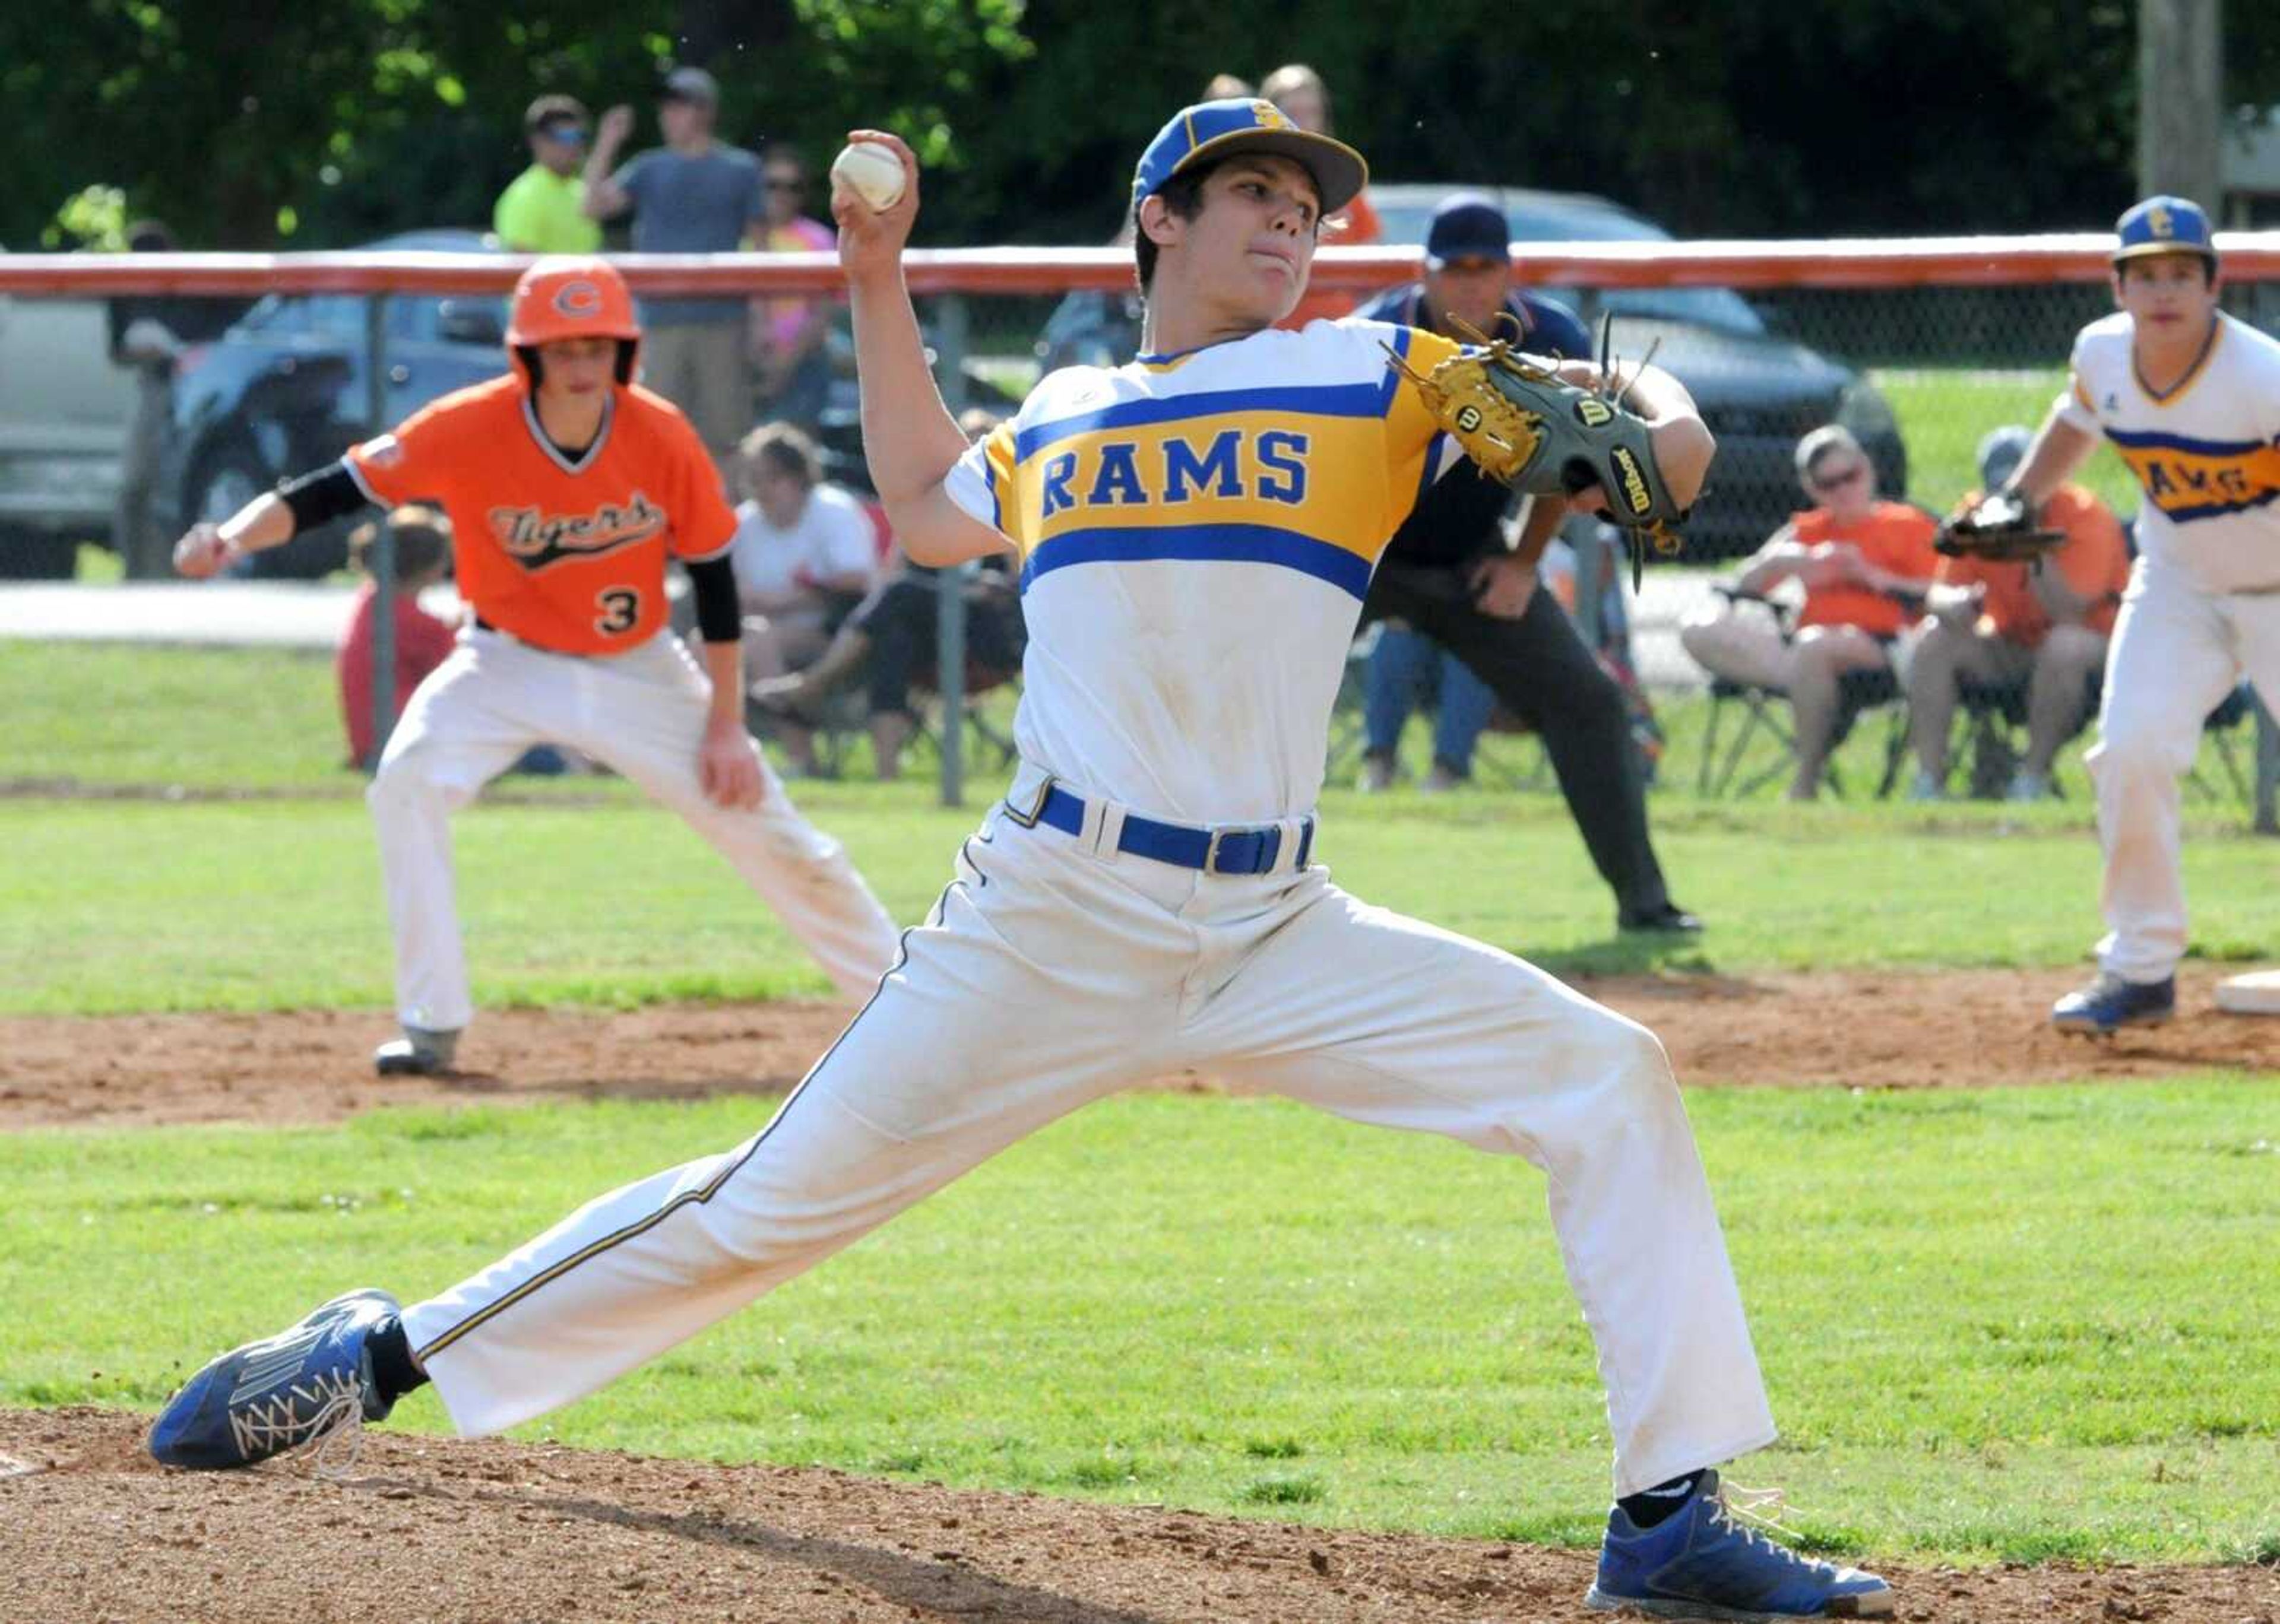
2255,993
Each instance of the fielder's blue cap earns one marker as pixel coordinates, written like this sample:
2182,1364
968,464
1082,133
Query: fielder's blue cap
1209,131
2164,226
1467,226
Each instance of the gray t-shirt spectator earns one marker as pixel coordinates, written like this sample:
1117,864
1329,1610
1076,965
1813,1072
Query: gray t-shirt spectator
691,205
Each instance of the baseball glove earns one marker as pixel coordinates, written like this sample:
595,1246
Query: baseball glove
1523,424
1999,530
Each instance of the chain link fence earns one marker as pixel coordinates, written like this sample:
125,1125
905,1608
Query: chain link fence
109,446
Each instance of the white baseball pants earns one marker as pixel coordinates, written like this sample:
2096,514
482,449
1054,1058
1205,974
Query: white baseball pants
641,713
2176,652
1051,975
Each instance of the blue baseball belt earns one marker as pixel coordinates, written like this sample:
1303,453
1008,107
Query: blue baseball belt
1228,850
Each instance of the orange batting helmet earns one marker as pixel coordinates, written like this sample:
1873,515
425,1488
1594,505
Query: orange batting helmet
572,296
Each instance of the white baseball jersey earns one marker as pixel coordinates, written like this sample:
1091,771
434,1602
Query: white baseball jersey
1194,546
2207,452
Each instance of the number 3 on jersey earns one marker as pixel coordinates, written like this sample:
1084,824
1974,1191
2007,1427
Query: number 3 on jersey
620,608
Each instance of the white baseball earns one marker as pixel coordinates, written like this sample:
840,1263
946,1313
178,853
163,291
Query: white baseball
870,170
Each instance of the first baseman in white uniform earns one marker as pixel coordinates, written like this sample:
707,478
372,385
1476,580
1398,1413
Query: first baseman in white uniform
568,485
2190,398
1195,531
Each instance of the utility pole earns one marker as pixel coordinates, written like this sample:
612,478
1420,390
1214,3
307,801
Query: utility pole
2180,100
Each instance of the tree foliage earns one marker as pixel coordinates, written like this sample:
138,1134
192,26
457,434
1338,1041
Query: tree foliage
252,123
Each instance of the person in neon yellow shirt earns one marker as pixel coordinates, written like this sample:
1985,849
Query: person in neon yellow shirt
543,210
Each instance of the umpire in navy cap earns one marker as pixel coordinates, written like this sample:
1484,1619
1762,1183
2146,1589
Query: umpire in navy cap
1449,573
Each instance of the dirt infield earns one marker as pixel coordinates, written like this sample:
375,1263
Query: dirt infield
1951,1029
422,1530
429,1530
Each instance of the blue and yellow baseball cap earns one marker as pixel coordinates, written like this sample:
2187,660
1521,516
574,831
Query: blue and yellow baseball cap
2164,226
1212,130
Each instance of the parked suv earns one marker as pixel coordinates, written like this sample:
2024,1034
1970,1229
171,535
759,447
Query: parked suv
1759,393
285,390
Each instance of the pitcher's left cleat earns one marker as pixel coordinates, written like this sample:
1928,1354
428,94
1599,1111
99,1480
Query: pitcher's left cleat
279,1393
1703,1562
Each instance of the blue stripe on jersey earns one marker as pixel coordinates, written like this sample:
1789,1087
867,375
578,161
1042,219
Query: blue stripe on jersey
1228,543
1361,400
2218,510
2147,441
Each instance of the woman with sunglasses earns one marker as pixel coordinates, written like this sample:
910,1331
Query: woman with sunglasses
789,333
1865,564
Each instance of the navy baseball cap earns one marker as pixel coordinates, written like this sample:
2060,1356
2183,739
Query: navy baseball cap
1212,130
1467,226
2164,226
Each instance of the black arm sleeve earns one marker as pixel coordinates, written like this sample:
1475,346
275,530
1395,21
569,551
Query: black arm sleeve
330,493
719,617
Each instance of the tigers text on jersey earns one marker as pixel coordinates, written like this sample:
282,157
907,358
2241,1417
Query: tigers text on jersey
2207,452
568,556
1196,535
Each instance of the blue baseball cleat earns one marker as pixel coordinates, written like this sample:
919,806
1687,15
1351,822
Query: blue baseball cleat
277,1394
2109,1004
1703,1563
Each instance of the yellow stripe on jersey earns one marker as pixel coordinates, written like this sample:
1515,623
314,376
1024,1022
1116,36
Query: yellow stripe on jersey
2188,478
1314,478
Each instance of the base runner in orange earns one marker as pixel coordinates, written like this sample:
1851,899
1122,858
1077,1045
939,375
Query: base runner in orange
568,486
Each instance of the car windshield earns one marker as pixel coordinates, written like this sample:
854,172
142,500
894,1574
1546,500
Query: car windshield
1549,218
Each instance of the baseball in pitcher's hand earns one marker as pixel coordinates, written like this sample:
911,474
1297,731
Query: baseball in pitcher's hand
728,767
871,239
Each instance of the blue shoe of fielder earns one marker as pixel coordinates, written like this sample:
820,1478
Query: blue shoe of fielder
1703,1562
2109,1004
279,1393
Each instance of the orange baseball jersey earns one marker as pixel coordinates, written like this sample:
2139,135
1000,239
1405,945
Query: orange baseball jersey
1894,537
568,556
2094,560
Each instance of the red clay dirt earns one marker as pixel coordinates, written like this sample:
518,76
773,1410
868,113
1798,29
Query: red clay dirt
1949,1029
422,1530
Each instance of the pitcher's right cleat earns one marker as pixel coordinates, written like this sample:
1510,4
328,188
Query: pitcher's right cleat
2109,1004
1702,1562
279,1393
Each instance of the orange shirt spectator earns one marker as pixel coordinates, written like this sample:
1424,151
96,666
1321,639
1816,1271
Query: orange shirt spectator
1893,537
2093,560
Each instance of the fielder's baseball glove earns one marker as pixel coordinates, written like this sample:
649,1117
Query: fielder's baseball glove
1523,424
2000,529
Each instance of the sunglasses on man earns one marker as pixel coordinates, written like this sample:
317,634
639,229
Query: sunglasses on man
1838,481
568,135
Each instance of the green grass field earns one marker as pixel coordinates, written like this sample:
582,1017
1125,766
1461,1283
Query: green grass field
1245,1306
1997,1325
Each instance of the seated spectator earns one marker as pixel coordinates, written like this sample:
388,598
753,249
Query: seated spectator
891,639
1408,669
1865,566
422,535
423,642
1305,100
805,552
1227,88
2043,625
